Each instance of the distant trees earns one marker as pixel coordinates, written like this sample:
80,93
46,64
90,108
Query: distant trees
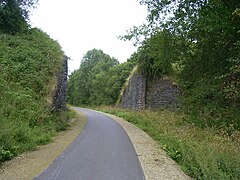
98,81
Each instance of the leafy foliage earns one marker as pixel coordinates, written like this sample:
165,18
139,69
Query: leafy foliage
24,5
197,42
98,80
160,53
14,15
29,65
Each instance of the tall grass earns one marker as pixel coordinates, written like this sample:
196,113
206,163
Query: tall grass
202,153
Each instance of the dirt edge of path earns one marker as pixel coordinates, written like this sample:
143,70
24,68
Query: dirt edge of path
154,161
156,164
30,164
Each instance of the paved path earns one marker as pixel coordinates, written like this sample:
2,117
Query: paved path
103,151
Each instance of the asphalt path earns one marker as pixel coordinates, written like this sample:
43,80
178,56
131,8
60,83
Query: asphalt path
103,151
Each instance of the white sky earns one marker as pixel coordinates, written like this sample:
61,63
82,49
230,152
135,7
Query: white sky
81,25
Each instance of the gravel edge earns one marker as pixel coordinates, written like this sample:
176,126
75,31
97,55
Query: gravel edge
30,164
154,161
156,164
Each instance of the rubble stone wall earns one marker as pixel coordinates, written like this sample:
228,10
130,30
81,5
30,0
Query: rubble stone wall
145,93
135,94
60,97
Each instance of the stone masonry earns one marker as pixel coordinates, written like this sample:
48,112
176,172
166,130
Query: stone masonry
162,93
60,97
135,94
146,93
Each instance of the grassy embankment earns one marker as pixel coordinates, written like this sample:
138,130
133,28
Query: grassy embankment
28,65
202,153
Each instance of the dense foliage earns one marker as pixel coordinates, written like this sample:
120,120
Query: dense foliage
29,64
161,54
14,15
198,43
98,81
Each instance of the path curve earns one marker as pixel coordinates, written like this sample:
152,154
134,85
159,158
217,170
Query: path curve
155,162
102,151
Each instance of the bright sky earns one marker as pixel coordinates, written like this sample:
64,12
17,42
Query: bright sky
81,25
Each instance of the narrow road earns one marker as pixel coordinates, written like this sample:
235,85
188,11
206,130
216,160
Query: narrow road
103,151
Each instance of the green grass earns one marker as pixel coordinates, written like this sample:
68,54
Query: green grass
17,137
202,153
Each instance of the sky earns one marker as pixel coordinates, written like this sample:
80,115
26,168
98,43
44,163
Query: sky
82,25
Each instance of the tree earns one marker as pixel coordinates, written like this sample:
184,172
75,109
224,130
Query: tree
24,5
83,82
14,15
159,52
108,84
99,79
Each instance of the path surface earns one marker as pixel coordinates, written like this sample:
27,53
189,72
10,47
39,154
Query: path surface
103,151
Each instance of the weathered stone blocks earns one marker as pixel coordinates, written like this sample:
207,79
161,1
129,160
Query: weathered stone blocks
135,94
145,93
60,97
162,93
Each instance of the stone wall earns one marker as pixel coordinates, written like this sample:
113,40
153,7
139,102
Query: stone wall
146,93
60,97
134,95
162,93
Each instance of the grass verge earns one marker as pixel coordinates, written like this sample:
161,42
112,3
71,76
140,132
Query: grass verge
202,153
18,136
30,164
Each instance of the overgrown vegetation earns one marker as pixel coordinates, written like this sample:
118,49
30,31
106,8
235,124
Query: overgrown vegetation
14,15
202,153
29,63
197,43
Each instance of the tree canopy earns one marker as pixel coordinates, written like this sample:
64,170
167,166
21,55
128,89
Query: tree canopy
98,81
14,15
